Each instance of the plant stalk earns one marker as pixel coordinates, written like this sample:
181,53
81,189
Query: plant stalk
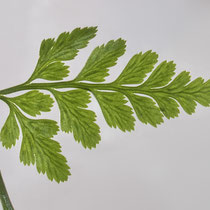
4,197
82,85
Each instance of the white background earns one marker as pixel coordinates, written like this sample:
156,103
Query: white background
164,168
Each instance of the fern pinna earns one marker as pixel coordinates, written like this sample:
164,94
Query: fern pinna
152,99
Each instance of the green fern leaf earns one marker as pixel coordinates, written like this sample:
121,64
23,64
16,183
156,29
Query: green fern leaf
54,71
146,110
38,147
137,68
33,102
115,110
10,131
142,88
102,58
64,48
76,118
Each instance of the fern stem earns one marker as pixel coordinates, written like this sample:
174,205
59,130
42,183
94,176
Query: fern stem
73,84
4,197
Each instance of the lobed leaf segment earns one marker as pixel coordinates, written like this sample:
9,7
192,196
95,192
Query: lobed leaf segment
153,98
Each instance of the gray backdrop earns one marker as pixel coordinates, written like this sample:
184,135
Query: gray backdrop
164,168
